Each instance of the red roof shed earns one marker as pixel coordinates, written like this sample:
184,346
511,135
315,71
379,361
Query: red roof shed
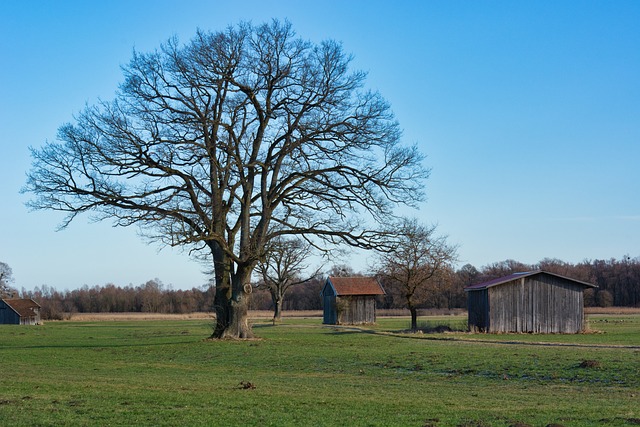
350,300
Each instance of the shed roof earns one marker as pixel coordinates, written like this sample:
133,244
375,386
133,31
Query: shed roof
514,276
24,307
345,286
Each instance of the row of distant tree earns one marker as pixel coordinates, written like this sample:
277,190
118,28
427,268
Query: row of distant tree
618,282
151,297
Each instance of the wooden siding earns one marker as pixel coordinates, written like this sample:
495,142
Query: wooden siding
30,320
538,304
355,310
7,315
329,313
349,310
478,308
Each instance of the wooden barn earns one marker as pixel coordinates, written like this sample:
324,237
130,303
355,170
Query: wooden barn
534,301
350,300
19,312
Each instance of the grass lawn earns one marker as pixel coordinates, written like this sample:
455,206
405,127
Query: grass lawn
162,372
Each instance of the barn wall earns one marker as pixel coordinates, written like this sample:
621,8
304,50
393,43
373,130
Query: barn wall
329,314
478,308
539,304
7,315
353,310
30,320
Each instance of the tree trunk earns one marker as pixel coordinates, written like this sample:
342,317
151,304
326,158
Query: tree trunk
414,318
222,308
277,307
238,326
222,297
231,301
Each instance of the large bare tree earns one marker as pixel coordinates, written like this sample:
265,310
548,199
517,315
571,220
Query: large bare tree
284,266
229,141
419,260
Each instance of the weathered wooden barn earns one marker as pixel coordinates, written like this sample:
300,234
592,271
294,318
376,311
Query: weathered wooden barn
534,301
19,312
350,300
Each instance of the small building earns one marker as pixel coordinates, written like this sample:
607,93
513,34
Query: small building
534,302
350,300
19,312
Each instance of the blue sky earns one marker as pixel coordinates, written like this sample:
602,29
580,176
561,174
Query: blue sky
529,113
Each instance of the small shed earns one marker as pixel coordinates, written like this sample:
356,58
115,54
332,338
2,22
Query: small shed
19,311
350,300
533,301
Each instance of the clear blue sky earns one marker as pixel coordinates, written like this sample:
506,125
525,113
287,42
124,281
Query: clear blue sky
529,112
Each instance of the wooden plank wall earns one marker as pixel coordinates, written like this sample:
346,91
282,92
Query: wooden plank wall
478,309
7,315
329,315
31,320
540,304
358,309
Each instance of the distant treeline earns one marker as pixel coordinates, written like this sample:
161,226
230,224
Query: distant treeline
618,284
151,297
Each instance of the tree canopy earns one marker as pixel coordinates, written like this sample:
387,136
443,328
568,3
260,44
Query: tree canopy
229,141
421,256
6,277
283,267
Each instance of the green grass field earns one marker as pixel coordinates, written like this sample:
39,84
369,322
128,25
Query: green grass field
304,374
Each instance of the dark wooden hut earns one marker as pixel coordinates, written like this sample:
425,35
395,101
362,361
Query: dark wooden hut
19,312
350,300
534,301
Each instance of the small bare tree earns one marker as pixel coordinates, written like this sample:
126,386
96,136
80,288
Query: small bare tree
418,259
284,266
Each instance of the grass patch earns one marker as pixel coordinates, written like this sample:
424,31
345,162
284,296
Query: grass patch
438,325
161,372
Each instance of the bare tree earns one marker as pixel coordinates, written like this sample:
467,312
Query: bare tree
284,266
6,277
232,140
414,266
151,296
343,270
503,268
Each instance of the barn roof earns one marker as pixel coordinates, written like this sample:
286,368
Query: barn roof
24,307
355,286
514,276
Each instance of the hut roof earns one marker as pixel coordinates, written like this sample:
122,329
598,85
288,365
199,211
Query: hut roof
24,307
345,286
514,276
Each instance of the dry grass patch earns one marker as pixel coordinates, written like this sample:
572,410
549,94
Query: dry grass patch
114,317
612,310
267,314
132,316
